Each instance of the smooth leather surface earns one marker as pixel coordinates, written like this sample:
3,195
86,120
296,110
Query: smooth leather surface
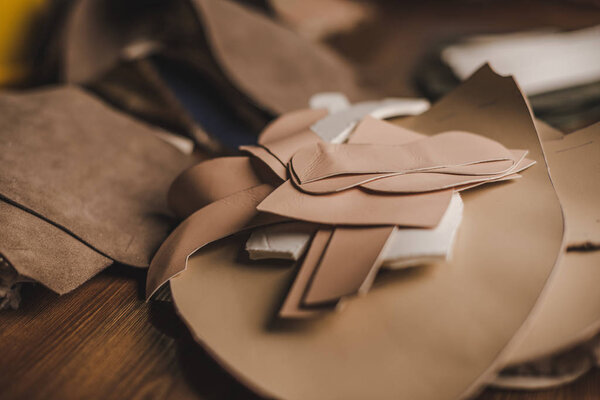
570,311
357,207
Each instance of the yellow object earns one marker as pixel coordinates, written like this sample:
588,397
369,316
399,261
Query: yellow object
16,19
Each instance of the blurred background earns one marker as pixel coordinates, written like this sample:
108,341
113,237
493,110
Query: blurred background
216,71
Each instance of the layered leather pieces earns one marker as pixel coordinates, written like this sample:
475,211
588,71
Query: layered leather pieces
292,306
429,181
94,172
357,207
215,221
450,152
267,159
569,313
45,253
278,84
342,272
283,137
283,149
209,181
447,323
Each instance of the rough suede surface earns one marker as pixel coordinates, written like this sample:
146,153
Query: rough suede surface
98,174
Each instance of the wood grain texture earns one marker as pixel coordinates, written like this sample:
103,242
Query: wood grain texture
103,342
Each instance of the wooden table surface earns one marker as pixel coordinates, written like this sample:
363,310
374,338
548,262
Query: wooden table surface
102,341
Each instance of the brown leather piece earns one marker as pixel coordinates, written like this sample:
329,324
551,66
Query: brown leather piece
292,305
94,172
282,83
209,181
45,253
357,207
449,323
343,271
215,221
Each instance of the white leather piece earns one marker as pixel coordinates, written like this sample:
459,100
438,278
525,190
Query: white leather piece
336,127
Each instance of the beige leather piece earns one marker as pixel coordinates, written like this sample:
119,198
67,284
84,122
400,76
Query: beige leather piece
474,185
357,207
290,123
285,148
424,182
417,181
568,314
446,150
217,220
276,83
209,181
448,323
268,159
575,168
343,272
292,305
372,130
570,311
547,132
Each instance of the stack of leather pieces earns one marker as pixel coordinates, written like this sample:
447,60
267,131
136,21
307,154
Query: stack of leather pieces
209,46
83,186
507,296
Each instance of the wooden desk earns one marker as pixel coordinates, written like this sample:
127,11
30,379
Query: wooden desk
102,341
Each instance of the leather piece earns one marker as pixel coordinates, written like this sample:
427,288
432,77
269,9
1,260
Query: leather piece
446,150
424,182
292,305
209,181
278,84
575,169
357,207
283,149
45,253
415,182
95,172
96,36
290,123
215,221
570,312
342,272
269,160
445,324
